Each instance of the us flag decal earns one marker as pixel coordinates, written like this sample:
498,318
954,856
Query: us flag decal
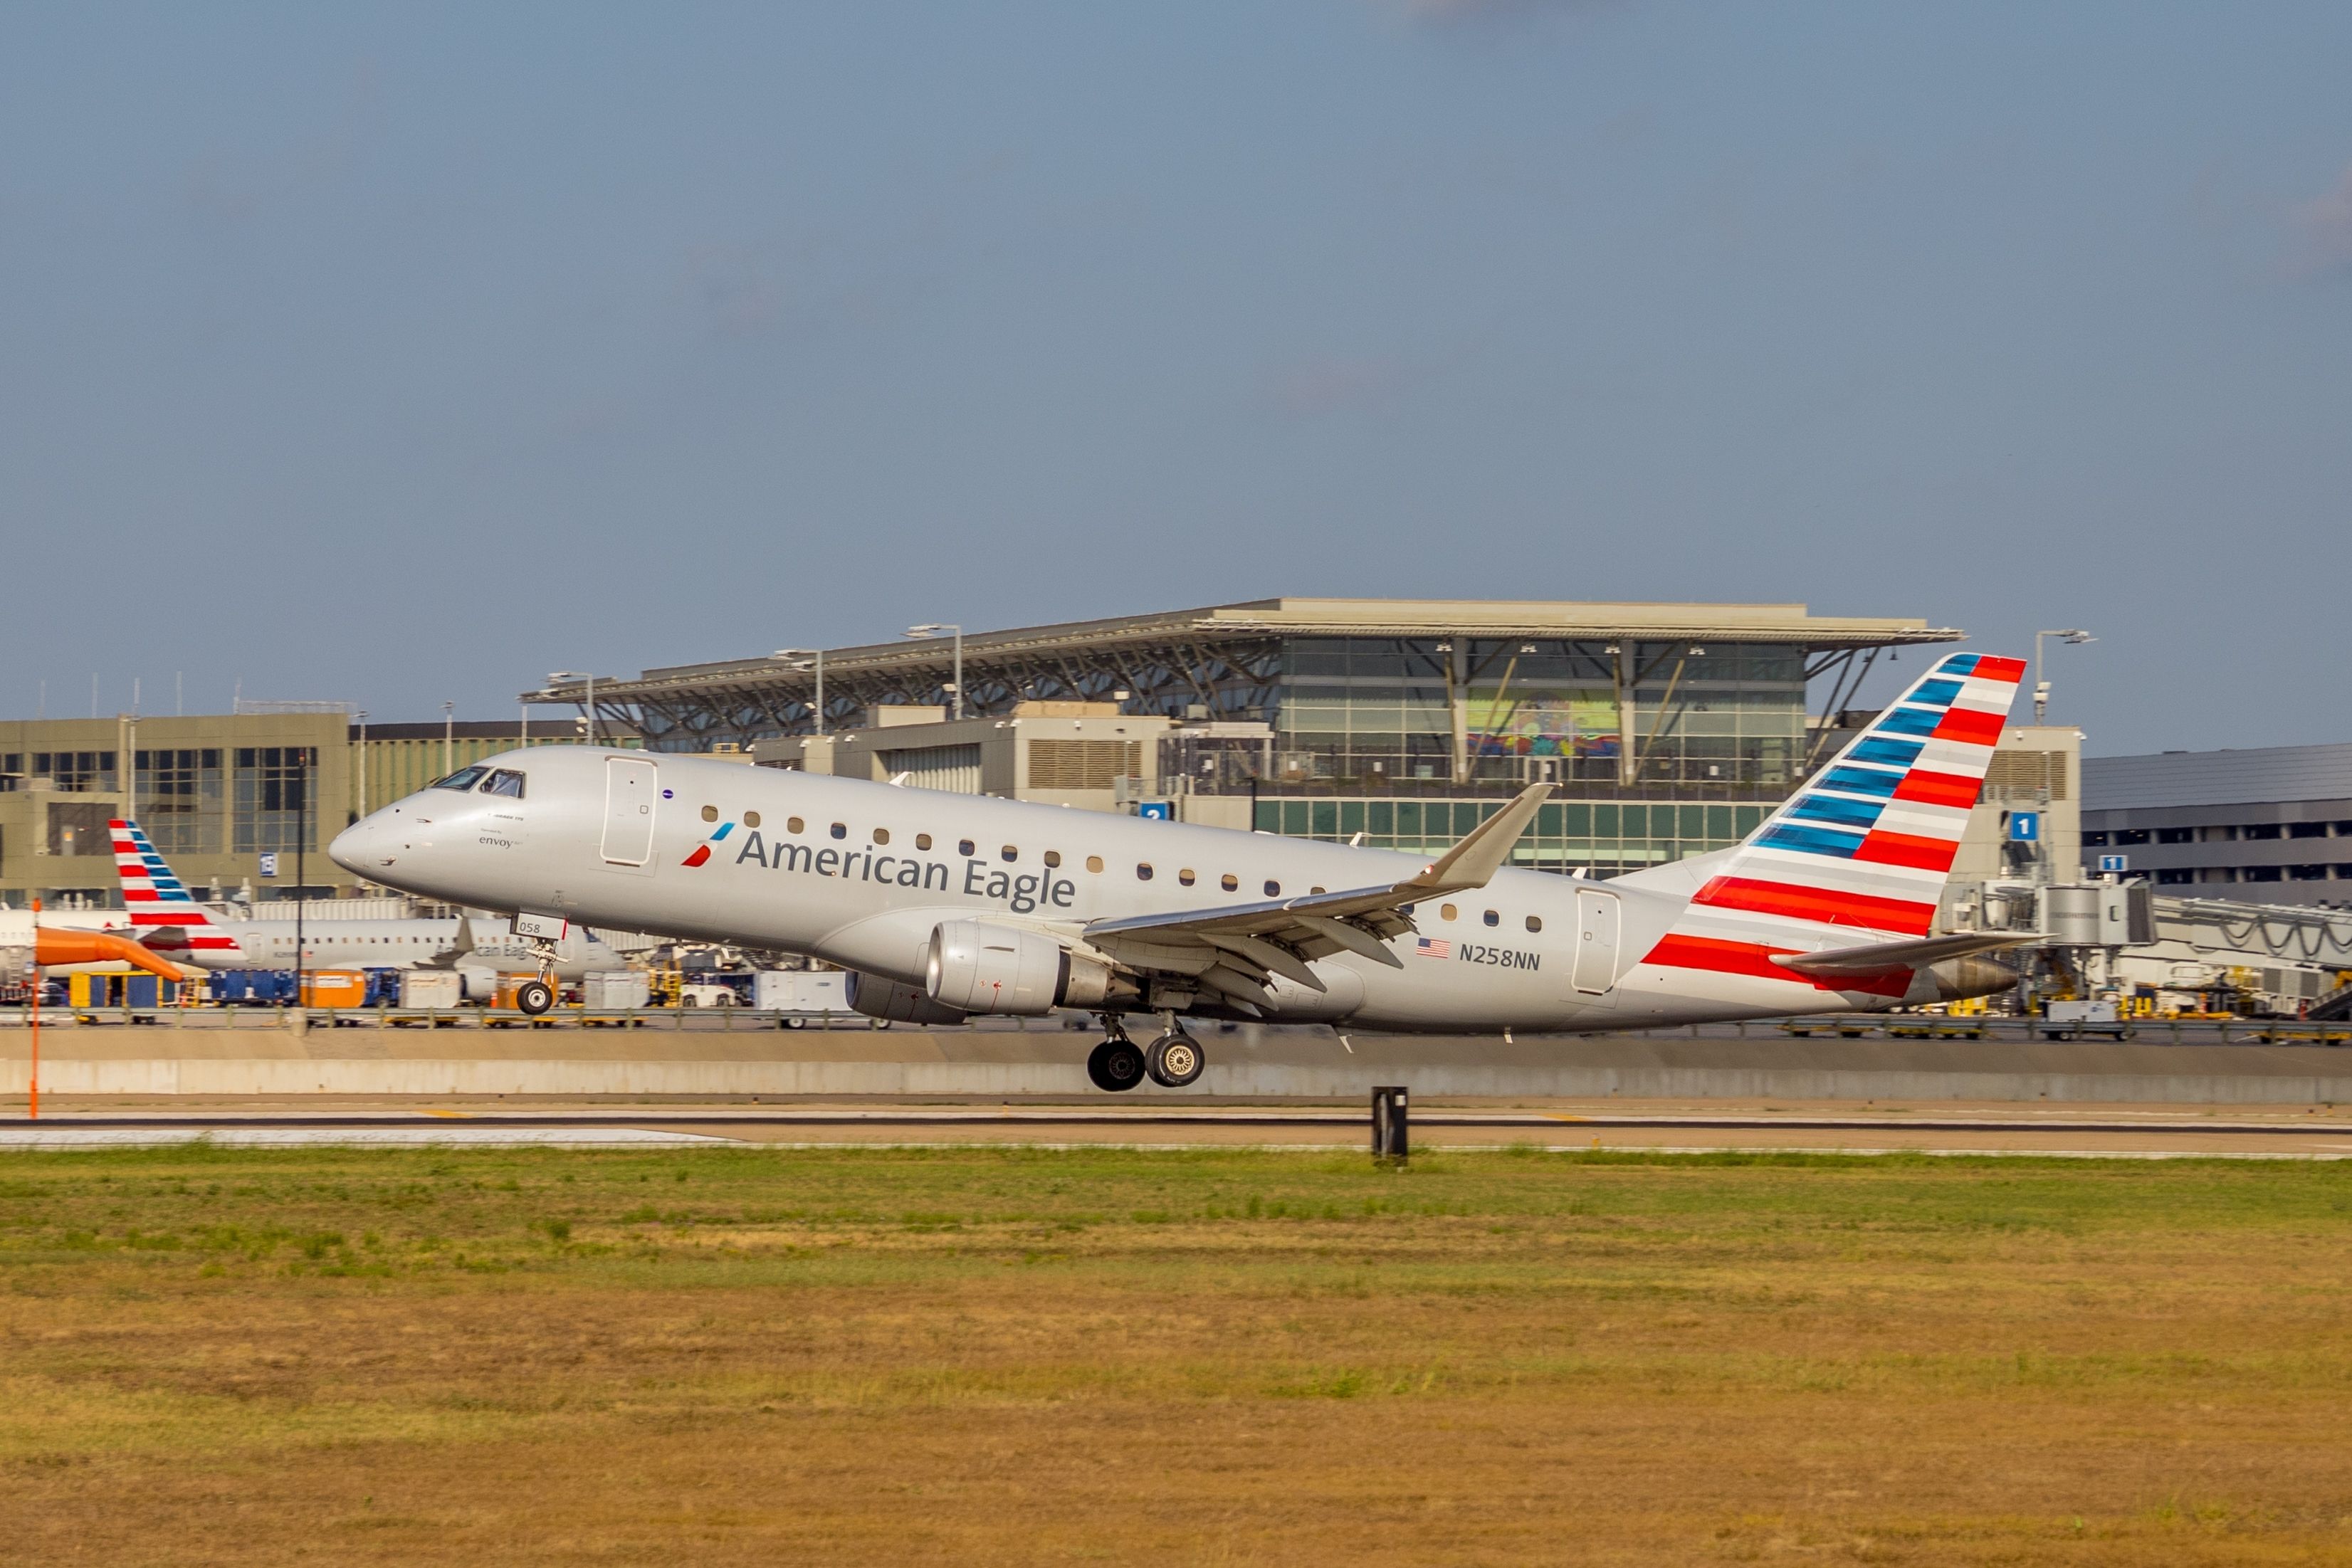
1433,948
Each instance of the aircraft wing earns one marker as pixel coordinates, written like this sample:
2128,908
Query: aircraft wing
1237,948
1880,957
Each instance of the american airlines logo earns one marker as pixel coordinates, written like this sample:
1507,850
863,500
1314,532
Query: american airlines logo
701,854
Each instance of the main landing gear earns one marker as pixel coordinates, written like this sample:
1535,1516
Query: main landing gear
1174,1061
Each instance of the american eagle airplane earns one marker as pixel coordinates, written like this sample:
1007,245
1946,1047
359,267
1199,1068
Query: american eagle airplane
946,906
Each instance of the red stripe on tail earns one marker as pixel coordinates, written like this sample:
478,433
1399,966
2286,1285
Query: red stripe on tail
1938,788
1828,905
1909,849
1969,724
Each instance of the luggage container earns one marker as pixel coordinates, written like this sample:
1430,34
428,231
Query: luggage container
800,994
431,989
262,987
613,990
334,989
137,989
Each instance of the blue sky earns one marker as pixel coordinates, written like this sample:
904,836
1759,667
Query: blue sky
404,354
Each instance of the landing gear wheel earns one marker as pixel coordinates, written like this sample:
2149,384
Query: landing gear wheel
1115,1065
1175,1061
534,998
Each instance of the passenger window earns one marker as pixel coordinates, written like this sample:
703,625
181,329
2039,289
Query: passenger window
1230,882
505,781
881,835
1314,890
751,818
1094,862
1185,876
841,830
1493,918
711,813
1446,912
794,824
464,778
1535,922
1053,857
1143,870
1009,853
922,840
1273,889
963,846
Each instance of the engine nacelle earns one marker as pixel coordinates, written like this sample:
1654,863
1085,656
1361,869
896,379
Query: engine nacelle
894,1003
982,967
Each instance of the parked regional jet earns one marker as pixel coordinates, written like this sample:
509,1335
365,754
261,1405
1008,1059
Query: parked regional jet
948,906
158,909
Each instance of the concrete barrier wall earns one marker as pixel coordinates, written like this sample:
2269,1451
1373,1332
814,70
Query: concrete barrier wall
168,1077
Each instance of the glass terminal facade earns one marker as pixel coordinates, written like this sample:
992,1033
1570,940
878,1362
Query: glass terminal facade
1658,751
1385,710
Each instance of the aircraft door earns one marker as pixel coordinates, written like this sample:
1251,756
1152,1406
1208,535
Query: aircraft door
1598,915
630,790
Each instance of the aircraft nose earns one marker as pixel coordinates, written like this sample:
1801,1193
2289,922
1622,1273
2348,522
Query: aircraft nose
353,847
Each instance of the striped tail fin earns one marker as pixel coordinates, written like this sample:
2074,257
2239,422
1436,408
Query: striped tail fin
163,914
1863,852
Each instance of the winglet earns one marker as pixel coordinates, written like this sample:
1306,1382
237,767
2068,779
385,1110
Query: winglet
1478,857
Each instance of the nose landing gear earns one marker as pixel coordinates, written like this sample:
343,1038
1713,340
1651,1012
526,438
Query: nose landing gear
534,997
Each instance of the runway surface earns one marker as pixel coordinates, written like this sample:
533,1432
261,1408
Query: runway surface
2118,1130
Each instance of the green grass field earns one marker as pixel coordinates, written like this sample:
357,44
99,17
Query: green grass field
742,1355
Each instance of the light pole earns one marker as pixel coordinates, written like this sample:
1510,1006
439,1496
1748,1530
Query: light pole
360,719
805,658
933,629
588,705
449,738
2075,636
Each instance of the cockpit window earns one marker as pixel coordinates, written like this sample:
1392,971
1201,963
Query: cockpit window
464,778
505,781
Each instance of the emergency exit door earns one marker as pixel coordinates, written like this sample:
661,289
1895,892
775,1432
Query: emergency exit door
630,790
1597,919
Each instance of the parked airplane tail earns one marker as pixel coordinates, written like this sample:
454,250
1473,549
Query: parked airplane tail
1859,857
163,914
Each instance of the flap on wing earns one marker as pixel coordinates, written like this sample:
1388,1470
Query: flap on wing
1879,957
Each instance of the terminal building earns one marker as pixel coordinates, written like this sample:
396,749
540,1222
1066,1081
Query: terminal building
2265,825
1670,729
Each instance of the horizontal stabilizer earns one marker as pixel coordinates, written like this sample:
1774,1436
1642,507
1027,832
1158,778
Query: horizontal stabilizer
1880,957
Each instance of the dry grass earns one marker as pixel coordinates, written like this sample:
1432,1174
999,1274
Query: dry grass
997,1355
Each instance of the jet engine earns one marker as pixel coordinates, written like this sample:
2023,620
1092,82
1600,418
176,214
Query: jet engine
985,968
894,1003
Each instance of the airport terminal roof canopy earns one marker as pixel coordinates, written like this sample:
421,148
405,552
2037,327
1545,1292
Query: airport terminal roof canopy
1138,653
